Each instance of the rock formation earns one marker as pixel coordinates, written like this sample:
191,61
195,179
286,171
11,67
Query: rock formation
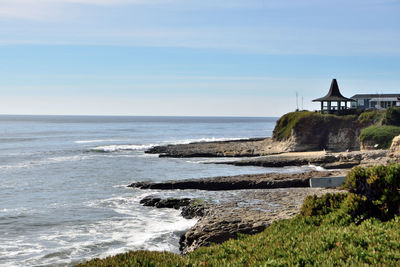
394,151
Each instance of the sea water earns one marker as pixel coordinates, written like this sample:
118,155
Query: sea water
63,183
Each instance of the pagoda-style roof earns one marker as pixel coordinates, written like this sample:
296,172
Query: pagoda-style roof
333,94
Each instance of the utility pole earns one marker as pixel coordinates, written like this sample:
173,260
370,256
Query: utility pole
297,101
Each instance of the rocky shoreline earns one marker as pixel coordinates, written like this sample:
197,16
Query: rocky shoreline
248,212
265,152
258,199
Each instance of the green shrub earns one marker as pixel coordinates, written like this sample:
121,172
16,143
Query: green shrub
373,192
393,116
314,205
371,117
380,135
378,190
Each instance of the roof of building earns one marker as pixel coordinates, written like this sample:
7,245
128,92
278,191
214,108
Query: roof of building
364,96
333,94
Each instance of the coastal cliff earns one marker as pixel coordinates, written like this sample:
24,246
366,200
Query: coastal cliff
308,131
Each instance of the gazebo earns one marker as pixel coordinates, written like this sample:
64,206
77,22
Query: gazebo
334,100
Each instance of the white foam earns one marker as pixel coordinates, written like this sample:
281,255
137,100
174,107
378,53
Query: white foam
134,147
116,148
317,168
134,227
212,160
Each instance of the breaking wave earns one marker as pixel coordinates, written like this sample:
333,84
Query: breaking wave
117,148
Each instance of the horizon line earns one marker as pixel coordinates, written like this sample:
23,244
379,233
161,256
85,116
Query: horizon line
166,116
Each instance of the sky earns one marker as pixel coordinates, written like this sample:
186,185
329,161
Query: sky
192,58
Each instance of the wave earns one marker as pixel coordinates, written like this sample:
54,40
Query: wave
129,147
116,148
212,160
317,168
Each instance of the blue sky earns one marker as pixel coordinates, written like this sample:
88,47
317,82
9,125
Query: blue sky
184,57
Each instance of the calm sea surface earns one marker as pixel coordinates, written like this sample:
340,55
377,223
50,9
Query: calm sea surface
63,194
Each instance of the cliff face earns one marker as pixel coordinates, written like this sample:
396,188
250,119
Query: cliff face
314,131
394,151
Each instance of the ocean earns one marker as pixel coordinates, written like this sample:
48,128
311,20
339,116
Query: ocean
63,183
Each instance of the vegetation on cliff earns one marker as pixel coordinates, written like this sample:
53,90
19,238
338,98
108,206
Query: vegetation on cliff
287,122
371,117
385,126
379,136
355,228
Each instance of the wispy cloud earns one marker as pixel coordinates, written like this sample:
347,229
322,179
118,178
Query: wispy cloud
58,9
257,26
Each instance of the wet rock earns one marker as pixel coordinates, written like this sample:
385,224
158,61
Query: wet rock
196,208
165,203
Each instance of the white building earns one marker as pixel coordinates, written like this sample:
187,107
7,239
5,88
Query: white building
375,101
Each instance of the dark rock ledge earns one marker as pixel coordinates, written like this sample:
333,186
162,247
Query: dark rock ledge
253,181
191,208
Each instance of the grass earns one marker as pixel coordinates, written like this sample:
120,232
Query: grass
287,122
328,232
382,135
300,241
